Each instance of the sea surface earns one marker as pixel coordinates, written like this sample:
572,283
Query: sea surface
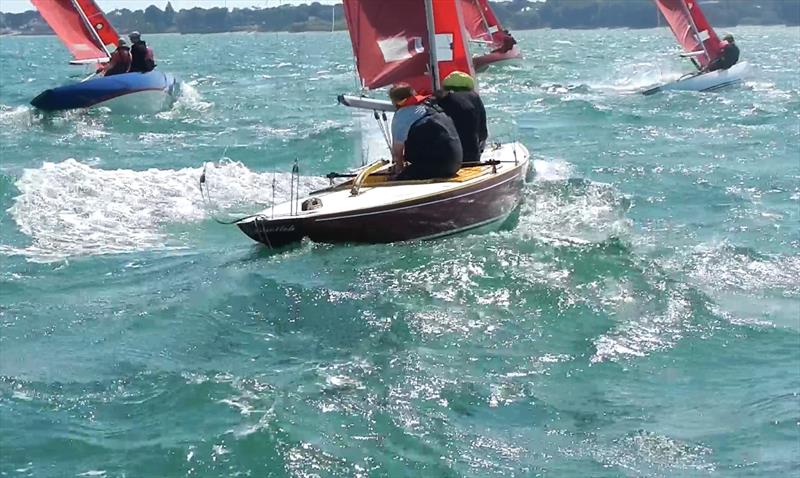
640,318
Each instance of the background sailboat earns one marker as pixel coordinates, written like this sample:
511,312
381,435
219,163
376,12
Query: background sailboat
90,38
484,28
700,43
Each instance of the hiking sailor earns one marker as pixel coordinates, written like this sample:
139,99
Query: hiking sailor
462,104
120,61
729,56
504,41
143,59
425,143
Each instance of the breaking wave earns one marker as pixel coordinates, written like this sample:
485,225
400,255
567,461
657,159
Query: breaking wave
73,209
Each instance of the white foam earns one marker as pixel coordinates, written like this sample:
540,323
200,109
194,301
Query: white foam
646,332
726,267
552,170
189,101
635,77
574,211
16,117
73,209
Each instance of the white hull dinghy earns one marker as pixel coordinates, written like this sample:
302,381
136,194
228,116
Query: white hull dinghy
700,43
711,81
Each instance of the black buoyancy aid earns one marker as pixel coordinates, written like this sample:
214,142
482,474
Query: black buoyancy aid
466,110
433,147
730,56
143,60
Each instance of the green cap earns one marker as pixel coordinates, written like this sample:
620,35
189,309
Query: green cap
458,80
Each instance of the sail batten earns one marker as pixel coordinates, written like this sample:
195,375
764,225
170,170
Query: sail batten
81,26
691,28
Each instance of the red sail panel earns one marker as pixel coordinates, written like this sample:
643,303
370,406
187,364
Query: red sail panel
709,36
99,23
474,20
390,42
68,25
681,15
452,53
488,13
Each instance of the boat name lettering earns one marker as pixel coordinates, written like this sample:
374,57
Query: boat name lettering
289,228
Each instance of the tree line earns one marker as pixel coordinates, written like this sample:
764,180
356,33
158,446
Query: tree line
515,14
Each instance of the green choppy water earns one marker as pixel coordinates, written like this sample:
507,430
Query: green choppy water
641,318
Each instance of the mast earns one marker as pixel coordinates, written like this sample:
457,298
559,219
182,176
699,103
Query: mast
694,29
89,26
432,44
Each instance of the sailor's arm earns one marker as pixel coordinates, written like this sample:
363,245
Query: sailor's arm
397,156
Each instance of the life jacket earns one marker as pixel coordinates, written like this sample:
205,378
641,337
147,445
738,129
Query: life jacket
414,100
122,61
728,58
432,147
466,110
143,58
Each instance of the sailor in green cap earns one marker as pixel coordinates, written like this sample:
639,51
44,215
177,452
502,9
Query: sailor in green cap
461,102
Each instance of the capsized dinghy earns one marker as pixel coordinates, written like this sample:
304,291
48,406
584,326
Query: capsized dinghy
700,43
484,28
420,47
87,33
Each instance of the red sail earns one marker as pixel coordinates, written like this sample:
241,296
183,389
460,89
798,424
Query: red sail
475,21
69,25
491,18
691,28
391,41
451,38
99,23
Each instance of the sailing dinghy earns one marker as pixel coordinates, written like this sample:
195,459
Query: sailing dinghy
420,46
484,28
90,38
700,43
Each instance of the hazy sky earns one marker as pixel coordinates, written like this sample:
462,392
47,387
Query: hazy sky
16,6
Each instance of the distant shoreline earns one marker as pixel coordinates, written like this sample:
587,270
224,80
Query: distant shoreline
42,34
517,15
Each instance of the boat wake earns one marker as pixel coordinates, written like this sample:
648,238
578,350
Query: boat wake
73,209
16,117
636,77
560,208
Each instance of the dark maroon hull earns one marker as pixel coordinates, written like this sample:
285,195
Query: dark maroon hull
456,211
481,63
